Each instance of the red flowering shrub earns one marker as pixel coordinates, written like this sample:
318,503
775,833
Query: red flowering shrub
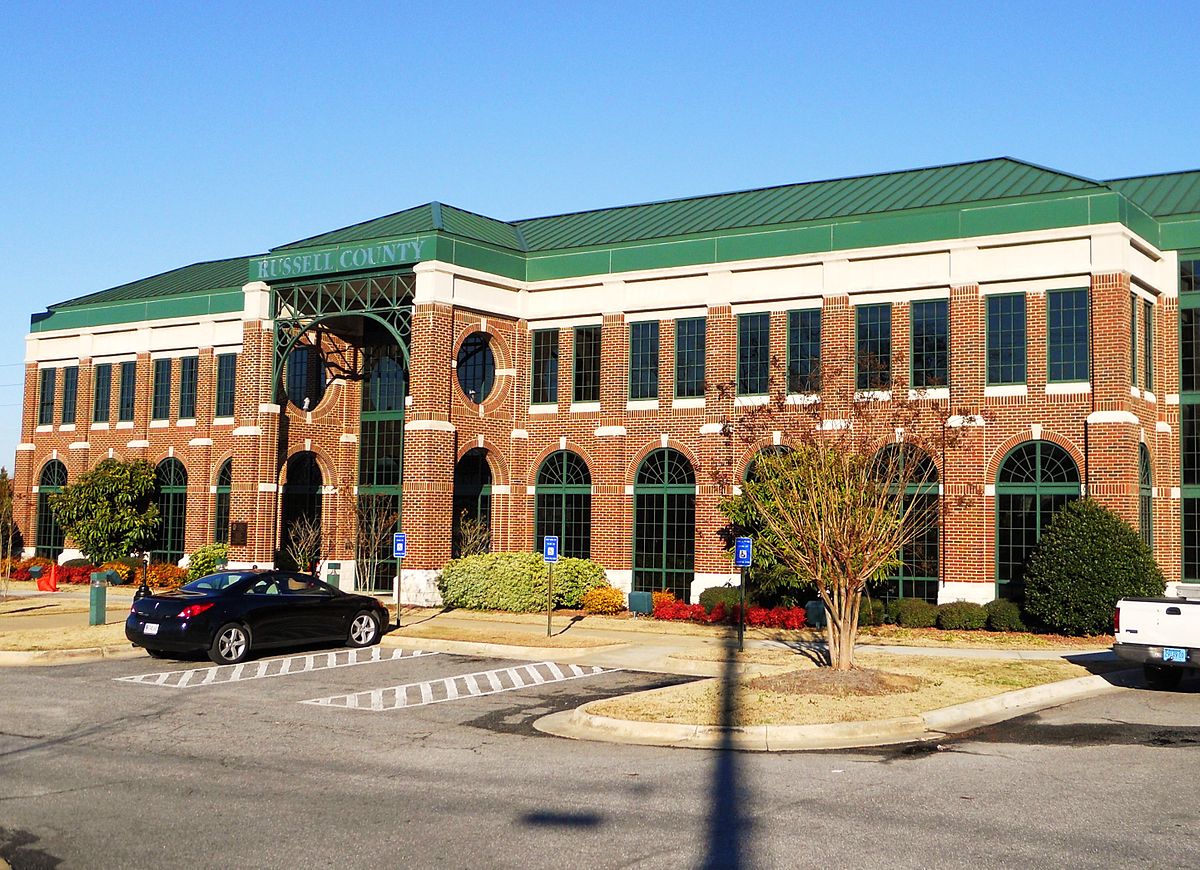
758,617
76,574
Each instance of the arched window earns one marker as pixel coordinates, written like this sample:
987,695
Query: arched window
47,536
1145,496
564,504
306,381
224,494
1035,480
914,469
664,524
301,501
472,504
476,367
751,472
171,479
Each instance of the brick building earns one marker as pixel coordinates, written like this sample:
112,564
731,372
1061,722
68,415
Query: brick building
559,375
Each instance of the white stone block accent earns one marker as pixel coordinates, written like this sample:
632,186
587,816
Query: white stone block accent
419,587
979,593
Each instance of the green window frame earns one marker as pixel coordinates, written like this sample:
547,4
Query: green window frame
472,498
1133,339
1145,496
48,537
102,393
1148,343
171,479
918,574
585,386
544,367
189,367
222,499
127,392
475,367
804,351
930,343
1189,412
643,360
563,504
160,405
306,377
664,524
1067,331
70,394
754,353
689,357
47,382
1035,480
873,347
226,386
1007,350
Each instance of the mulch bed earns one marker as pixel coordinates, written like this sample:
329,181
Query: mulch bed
839,684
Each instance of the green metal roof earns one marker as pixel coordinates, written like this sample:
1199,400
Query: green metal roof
999,178
1163,195
211,275
423,218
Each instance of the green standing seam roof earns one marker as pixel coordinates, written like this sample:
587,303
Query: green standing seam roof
198,277
1164,195
423,218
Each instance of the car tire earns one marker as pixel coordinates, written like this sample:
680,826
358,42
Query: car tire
231,644
1162,678
364,629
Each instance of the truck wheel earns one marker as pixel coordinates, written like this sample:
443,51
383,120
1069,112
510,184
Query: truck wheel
1162,678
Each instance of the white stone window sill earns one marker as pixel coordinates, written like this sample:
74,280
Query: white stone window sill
750,401
641,405
160,424
125,424
873,395
1069,388
693,402
804,399
935,393
543,409
223,421
1150,397
186,423
1005,390
580,408
67,427
44,428
99,427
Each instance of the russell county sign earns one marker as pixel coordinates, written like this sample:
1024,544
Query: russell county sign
343,258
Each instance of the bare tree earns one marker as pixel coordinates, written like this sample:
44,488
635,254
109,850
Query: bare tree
8,528
474,535
374,521
304,542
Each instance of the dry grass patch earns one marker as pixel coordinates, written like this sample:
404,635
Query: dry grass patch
510,638
896,635
791,698
78,637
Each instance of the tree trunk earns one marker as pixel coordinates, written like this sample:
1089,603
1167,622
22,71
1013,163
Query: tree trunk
841,632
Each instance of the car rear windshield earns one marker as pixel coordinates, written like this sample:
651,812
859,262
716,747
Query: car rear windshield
216,582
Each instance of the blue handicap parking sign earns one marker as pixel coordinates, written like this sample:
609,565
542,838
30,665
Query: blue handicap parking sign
550,548
399,545
743,553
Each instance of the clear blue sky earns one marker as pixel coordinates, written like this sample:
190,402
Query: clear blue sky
136,138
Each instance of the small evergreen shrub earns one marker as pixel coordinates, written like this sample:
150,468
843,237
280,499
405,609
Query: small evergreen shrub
75,563
663,596
714,595
1088,559
604,600
516,582
1003,615
206,559
164,575
961,616
915,613
870,612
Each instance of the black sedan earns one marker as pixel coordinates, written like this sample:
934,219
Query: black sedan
232,612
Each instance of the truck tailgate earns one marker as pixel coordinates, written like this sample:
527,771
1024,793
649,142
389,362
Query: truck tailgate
1171,622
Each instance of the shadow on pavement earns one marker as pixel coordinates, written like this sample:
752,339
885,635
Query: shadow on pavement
728,823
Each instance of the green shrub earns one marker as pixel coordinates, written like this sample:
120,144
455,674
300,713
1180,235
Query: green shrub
870,611
916,613
961,616
714,595
77,563
516,582
206,560
1088,559
1003,615
604,600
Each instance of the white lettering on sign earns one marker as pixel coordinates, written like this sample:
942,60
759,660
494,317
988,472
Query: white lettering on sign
344,260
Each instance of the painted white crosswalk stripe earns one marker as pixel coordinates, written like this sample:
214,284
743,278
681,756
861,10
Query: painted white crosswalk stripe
267,668
462,686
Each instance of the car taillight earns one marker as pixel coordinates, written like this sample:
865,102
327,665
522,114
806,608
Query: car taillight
1117,621
194,610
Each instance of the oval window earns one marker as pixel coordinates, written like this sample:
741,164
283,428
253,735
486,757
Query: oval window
306,381
476,367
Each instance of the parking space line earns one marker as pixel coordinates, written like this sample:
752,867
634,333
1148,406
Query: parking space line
218,674
451,689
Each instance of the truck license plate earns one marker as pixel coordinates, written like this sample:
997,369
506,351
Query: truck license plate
1174,654
152,628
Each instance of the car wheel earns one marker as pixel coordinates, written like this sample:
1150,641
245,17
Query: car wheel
364,629
1162,678
231,644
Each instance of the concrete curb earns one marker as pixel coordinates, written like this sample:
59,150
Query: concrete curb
24,658
579,724
494,650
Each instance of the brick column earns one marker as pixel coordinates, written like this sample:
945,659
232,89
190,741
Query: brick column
1113,429
612,508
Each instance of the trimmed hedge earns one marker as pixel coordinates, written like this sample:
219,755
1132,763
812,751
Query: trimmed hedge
205,560
915,613
1003,615
870,612
604,601
961,616
516,582
714,595
1088,559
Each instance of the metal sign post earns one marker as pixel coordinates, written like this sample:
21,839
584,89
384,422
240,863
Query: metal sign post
743,558
399,551
549,556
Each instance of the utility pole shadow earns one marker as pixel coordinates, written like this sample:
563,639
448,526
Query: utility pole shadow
729,825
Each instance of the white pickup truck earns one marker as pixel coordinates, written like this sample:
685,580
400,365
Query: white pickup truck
1162,634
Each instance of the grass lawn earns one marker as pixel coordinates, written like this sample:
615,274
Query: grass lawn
770,700
73,637
485,634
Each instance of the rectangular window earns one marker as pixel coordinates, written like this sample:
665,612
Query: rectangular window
643,360
545,367
1006,339
70,393
160,406
187,387
1191,540
127,391
1189,338
804,351
1189,418
1148,344
930,343
587,364
47,382
1067,335
226,384
754,353
1133,340
1189,276
873,348
689,358
101,393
